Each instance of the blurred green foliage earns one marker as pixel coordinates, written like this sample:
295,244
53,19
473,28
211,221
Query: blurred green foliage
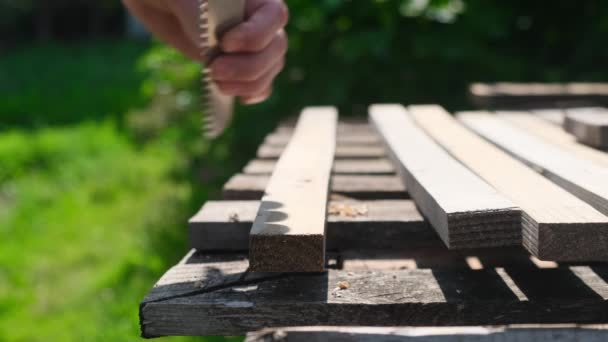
102,159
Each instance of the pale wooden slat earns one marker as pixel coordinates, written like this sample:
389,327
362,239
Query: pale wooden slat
288,233
464,210
395,224
589,127
251,187
581,177
557,225
344,151
281,139
372,166
554,135
536,333
208,296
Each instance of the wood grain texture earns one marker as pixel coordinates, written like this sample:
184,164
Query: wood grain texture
344,151
372,166
537,333
205,295
395,224
251,187
438,183
288,233
556,224
589,127
583,178
554,135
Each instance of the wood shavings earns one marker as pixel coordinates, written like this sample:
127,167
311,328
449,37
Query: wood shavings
343,285
348,210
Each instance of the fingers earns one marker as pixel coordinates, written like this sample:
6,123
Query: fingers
249,66
265,18
256,89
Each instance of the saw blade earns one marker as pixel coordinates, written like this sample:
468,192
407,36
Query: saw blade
216,17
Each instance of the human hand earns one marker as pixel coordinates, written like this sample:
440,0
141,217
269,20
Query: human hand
254,51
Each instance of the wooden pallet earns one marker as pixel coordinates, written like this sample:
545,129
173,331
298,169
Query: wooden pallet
386,267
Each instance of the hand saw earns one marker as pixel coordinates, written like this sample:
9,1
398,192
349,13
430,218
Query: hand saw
216,18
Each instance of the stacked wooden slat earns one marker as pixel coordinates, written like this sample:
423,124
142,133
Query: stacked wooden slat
386,262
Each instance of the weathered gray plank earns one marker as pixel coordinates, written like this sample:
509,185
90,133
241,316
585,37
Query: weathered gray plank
589,127
582,178
373,166
251,187
288,232
344,151
556,226
464,210
395,224
538,333
209,297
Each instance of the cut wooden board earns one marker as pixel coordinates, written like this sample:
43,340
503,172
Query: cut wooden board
395,224
536,333
251,187
589,127
215,295
345,151
556,225
554,135
372,166
288,234
554,116
281,139
464,210
583,178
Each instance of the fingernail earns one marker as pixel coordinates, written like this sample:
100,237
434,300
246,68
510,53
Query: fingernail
253,100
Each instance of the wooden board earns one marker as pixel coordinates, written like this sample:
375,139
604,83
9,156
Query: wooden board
395,224
464,210
216,295
538,95
589,127
372,166
536,333
556,226
579,176
251,187
288,233
344,151
554,135
281,139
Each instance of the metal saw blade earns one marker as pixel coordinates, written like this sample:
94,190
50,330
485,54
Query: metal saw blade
216,17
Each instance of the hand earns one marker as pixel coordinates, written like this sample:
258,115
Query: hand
254,51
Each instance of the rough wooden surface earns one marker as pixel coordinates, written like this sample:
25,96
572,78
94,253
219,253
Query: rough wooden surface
372,166
581,177
554,135
251,187
589,127
556,225
536,333
395,224
215,295
344,151
438,183
288,233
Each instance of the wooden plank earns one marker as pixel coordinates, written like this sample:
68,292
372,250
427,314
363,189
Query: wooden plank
554,116
395,224
537,333
554,135
345,151
288,233
372,166
464,210
589,127
281,139
251,187
581,177
556,225
207,296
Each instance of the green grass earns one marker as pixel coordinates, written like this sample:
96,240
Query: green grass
89,218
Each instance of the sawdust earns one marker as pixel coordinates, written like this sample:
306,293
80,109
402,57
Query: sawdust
348,210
